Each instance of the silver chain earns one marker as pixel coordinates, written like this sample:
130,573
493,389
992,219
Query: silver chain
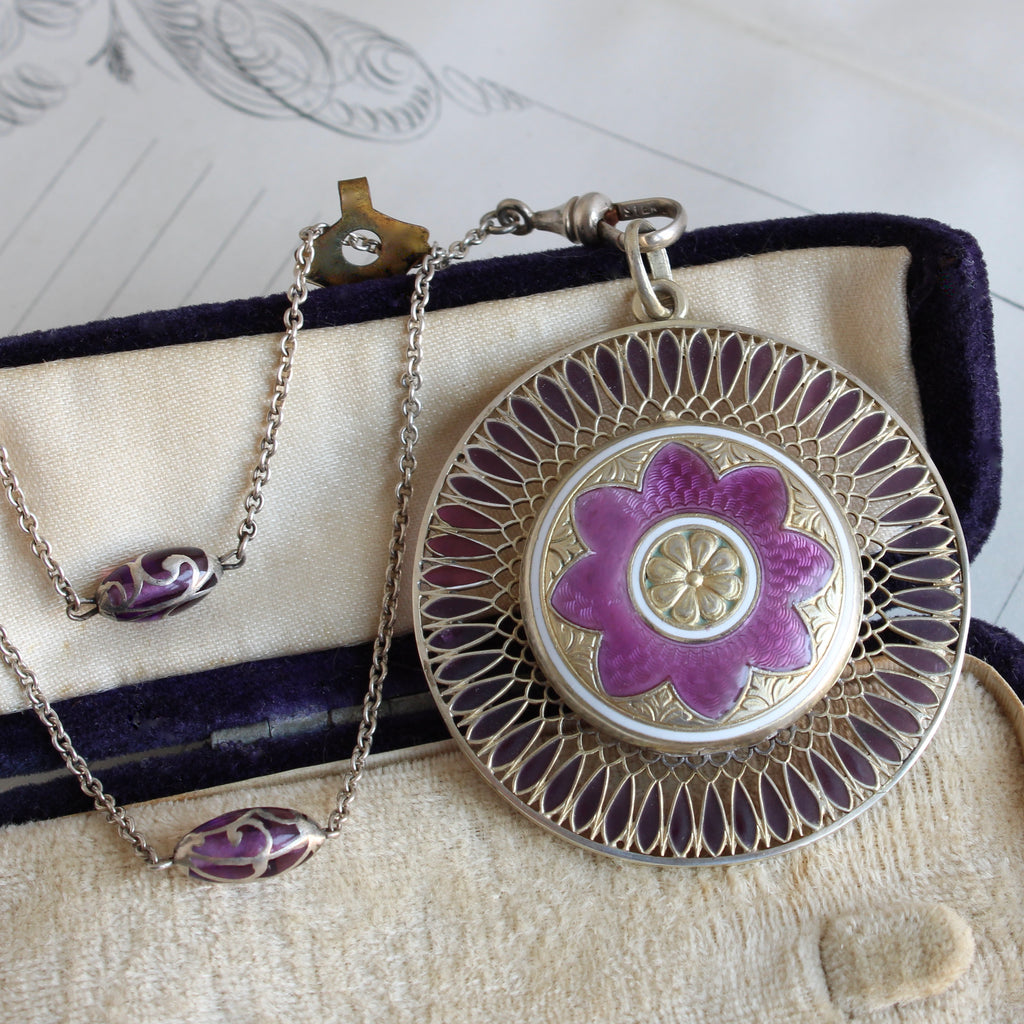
82,608
77,608
297,293
494,223
40,546
77,765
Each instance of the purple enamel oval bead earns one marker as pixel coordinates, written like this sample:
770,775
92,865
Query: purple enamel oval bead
244,845
157,584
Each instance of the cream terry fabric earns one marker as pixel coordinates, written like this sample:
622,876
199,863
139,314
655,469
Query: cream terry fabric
441,904
135,451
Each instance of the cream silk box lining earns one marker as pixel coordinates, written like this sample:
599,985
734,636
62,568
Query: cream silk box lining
124,453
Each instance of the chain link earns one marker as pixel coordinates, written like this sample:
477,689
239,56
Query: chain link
437,259
297,293
76,607
77,765
364,243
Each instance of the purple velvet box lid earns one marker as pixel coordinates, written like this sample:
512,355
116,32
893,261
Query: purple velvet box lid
263,717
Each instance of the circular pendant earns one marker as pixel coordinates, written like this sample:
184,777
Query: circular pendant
689,594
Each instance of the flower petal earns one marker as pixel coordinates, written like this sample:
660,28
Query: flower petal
604,519
723,560
712,607
725,585
665,595
664,570
687,611
703,544
676,548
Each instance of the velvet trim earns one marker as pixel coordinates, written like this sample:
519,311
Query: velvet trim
185,733
1000,649
274,716
210,728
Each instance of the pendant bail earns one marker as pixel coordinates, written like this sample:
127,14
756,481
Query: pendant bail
593,219
653,286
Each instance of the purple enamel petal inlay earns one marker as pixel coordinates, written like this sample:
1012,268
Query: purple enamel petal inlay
698,359
514,744
558,790
455,577
533,770
903,481
759,368
511,440
914,509
611,373
479,695
454,637
456,607
493,722
816,393
832,785
729,363
877,741
775,812
927,599
533,419
634,658
463,518
465,666
554,398
788,379
579,380
494,465
744,818
680,825
936,631
588,803
476,490
919,659
913,690
648,824
840,412
863,431
668,360
454,545
620,811
639,363
157,584
924,538
713,825
244,845
804,800
855,762
885,455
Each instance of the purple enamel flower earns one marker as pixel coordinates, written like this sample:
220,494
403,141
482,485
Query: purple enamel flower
692,579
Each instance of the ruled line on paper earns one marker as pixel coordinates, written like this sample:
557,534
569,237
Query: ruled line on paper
671,157
76,245
219,251
1010,302
155,240
1009,597
48,187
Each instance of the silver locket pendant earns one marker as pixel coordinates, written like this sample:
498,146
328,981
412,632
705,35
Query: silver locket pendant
688,594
